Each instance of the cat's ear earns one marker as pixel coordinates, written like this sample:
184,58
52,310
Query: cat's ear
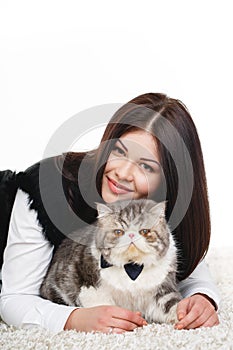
102,210
158,210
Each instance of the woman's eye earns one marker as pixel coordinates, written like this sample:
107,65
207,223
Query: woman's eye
118,151
118,232
144,231
147,167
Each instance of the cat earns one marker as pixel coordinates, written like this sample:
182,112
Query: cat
126,258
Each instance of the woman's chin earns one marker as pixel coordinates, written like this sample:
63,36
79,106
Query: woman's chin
111,197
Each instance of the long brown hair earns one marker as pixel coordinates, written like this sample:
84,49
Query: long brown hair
178,142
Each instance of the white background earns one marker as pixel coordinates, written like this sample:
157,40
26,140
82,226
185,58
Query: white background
58,58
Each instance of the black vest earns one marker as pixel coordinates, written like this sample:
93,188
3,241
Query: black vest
57,200
8,188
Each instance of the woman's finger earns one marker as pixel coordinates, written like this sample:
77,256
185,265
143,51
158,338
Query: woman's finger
189,319
129,316
204,322
114,330
123,324
182,308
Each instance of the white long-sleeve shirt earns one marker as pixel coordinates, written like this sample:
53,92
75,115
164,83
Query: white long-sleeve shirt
26,259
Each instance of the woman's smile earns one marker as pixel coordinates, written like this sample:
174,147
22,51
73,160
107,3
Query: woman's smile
117,188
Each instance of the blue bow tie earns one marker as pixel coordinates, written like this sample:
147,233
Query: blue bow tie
132,270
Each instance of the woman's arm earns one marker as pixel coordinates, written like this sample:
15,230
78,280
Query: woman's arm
200,281
201,300
26,259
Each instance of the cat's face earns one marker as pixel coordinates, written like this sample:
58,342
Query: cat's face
136,232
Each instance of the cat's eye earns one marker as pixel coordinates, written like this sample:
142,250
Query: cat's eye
144,231
118,232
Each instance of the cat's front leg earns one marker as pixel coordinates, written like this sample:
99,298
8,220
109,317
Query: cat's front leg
91,296
164,309
171,316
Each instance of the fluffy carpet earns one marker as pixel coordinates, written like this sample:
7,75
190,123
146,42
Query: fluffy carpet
150,337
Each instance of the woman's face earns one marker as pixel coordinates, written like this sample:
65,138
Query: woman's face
132,170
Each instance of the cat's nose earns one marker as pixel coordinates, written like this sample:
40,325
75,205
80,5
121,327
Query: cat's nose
131,235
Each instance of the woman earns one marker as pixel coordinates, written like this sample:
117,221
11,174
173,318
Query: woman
150,148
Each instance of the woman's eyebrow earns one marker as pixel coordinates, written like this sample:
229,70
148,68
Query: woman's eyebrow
151,160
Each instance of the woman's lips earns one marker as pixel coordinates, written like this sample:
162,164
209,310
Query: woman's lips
117,188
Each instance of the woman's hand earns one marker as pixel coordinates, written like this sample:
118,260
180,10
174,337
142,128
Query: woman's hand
106,319
196,311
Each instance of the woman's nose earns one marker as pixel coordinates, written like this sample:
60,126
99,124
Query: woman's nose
125,170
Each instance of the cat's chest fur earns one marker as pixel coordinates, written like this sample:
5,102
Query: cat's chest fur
152,275
115,287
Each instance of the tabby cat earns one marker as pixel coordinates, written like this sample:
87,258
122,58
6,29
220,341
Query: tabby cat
126,258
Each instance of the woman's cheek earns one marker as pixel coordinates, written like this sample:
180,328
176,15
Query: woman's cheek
142,186
148,185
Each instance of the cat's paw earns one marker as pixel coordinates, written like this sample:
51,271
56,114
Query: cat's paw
91,296
172,315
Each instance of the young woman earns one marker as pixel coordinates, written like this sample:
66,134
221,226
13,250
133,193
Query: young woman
150,148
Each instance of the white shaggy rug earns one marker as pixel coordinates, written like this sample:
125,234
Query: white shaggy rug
150,337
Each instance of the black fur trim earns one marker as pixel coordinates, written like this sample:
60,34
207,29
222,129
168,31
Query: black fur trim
8,188
48,194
